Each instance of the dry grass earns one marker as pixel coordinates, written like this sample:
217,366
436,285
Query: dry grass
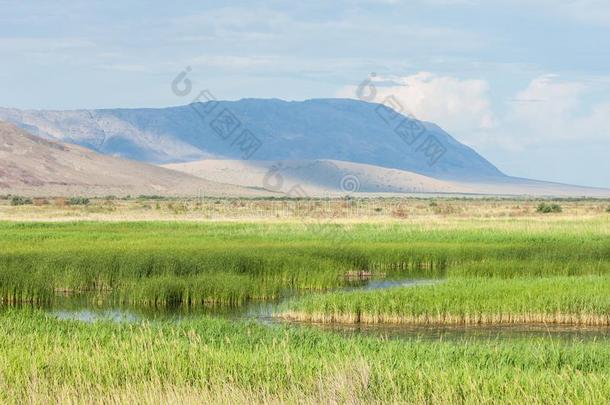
596,320
335,210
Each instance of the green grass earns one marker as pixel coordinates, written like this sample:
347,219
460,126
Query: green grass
551,270
45,360
231,263
567,300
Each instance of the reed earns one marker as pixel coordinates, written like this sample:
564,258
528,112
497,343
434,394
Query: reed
580,300
160,263
219,361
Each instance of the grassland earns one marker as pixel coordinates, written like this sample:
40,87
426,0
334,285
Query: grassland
181,263
44,360
494,262
424,209
219,263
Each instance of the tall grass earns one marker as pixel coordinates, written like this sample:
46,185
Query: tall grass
205,289
565,300
230,263
219,361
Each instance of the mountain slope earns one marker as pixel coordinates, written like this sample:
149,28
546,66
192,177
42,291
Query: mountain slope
333,129
327,177
33,166
315,177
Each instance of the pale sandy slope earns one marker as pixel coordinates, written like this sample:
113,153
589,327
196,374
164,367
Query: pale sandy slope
32,166
331,177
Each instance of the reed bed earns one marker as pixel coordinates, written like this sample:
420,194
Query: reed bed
583,300
489,271
173,263
206,289
219,361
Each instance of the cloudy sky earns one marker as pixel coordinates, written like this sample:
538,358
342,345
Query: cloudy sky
526,83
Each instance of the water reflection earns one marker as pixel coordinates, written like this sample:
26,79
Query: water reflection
87,315
471,332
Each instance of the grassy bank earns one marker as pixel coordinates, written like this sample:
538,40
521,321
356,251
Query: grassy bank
583,300
216,361
162,264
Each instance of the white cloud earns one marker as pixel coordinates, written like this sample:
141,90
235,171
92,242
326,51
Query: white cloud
553,110
459,106
548,110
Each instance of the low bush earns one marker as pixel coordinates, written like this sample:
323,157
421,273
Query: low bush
17,200
152,197
79,201
545,208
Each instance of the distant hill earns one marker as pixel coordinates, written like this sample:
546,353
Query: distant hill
315,177
331,129
319,143
33,166
337,178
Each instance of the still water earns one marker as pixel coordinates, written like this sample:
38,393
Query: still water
81,308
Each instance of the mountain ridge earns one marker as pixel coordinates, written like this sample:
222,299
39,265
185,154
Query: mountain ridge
334,129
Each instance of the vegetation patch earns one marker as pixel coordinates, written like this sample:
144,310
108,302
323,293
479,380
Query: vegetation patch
78,201
18,200
545,208
465,301
216,361
163,264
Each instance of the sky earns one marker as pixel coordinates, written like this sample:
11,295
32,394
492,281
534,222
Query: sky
525,83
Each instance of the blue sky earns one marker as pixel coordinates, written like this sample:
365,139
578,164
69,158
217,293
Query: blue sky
526,83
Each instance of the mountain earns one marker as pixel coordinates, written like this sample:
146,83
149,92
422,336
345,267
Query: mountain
314,178
329,129
32,166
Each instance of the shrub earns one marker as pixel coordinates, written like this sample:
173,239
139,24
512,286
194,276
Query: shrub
545,208
78,201
151,197
608,209
17,200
